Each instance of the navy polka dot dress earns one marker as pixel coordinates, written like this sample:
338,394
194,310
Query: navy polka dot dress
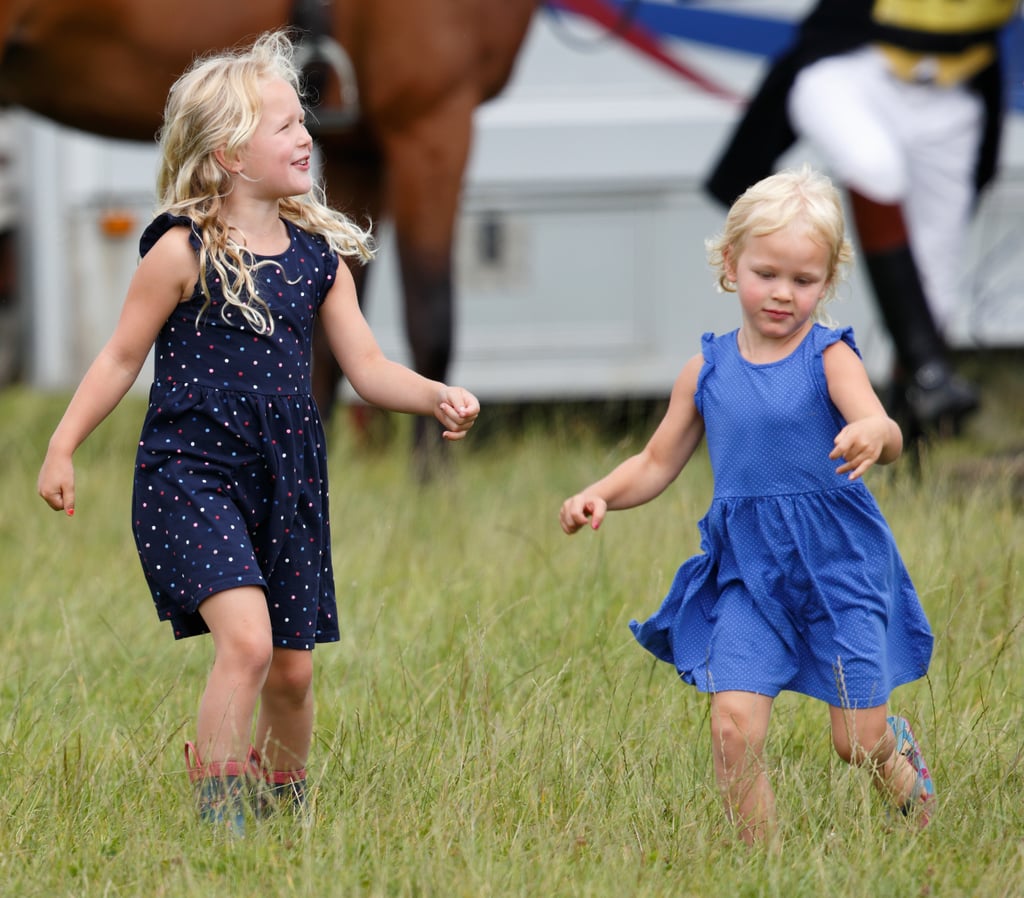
231,472
799,585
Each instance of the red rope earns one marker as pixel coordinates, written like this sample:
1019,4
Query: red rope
643,39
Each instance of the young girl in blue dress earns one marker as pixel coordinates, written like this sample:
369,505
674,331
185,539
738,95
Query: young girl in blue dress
230,503
799,585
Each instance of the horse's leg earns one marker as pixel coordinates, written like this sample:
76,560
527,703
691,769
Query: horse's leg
426,158
11,337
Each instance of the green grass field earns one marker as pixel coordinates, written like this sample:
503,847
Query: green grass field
487,726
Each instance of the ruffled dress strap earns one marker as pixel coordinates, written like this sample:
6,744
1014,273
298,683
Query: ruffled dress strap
821,337
815,343
709,351
161,225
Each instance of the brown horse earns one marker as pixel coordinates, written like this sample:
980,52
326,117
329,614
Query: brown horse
421,69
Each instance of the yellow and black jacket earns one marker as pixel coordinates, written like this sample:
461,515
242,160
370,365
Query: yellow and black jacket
941,41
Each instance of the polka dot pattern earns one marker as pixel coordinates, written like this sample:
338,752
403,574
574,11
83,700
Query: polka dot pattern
231,471
800,585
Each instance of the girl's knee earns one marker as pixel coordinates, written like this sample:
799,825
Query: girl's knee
727,729
862,747
737,731
255,650
240,626
843,747
247,655
291,675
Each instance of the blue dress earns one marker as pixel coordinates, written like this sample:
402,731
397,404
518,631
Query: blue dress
799,585
231,472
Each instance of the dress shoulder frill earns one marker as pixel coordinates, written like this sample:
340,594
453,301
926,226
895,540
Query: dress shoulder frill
708,351
819,339
822,337
161,225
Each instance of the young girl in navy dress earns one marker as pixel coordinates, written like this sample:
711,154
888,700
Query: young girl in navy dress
800,585
230,501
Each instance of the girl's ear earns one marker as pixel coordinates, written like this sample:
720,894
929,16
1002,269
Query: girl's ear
729,263
231,166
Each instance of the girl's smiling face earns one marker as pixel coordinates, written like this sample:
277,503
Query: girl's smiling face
780,279
276,161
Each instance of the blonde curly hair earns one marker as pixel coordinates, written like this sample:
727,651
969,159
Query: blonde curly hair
216,104
773,203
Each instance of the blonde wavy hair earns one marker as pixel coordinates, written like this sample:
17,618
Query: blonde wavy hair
217,104
773,203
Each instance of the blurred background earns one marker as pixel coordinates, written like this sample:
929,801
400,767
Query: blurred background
580,267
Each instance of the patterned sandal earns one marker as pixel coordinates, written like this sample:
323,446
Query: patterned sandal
922,797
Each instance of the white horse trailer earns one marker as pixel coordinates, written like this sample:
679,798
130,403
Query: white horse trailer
580,264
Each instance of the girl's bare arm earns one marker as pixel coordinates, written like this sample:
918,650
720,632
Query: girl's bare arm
164,277
381,381
870,434
645,475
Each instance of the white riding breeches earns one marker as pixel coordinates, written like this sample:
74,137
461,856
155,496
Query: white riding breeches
901,143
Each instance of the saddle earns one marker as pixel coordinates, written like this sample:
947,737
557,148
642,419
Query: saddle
320,57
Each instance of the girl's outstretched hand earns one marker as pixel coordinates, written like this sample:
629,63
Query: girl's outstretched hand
457,410
860,444
57,483
581,508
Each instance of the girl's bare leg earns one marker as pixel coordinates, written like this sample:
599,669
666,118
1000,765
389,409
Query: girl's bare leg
284,728
864,737
240,627
739,727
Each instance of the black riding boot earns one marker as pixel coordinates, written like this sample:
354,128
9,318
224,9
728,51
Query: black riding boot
936,397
